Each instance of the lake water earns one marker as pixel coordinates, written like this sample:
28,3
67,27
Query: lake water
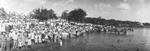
139,40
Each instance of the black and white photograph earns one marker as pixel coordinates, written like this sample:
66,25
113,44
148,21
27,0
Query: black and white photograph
74,25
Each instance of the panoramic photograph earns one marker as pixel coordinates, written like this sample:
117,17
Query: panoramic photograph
74,25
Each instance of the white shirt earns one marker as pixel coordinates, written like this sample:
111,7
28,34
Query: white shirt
32,36
14,36
29,42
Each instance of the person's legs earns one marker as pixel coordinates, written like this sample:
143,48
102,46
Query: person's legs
33,41
23,47
19,47
55,38
3,47
15,44
38,40
60,43
26,45
49,38
11,44
29,46
8,46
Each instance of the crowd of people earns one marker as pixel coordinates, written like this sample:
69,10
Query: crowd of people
20,33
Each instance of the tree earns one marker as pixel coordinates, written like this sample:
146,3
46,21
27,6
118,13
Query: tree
77,15
43,14
64,14
99,17
2,13
146,24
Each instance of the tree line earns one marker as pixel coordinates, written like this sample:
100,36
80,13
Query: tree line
79,15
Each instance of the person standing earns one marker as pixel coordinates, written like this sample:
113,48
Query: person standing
36,39
60,42
3,42
29,43
33,37
39,39
15,40
19,42
8,43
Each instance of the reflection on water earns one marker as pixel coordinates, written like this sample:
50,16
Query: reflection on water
146,33
142,36
139,39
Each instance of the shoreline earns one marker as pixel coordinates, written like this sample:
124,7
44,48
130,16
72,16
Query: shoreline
134,26
87,43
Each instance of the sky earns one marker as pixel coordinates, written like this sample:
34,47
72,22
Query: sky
133,10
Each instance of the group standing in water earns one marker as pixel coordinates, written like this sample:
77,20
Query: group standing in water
24,35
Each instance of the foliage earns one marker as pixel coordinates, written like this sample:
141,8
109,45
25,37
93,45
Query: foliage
65,14
3,13
43,14
77,15
111,22
146,24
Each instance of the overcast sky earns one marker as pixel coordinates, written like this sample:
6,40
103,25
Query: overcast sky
134,10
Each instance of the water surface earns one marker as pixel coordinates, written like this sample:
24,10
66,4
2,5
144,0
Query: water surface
96,41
